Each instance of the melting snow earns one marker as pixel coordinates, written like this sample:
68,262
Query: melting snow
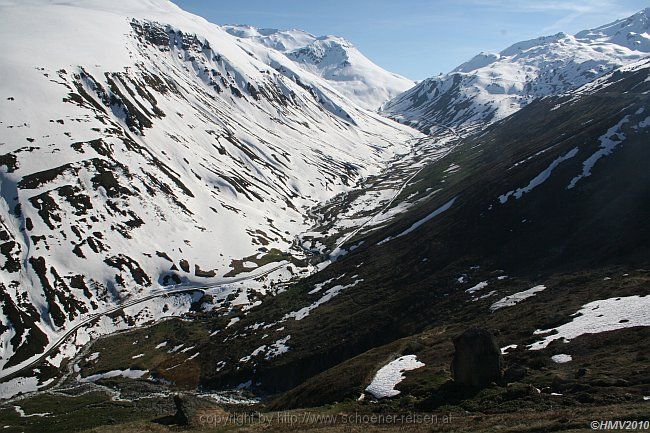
278,348
22,413
15,386
329,294
128,373
385,380
476,288
612,138
230,397
424,220
175,348
516,298
540,178
600,316
561,358
318,287
453,168
487,295
644,123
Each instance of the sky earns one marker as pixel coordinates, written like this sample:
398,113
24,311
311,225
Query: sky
420,38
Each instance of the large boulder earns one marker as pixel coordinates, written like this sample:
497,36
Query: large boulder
477,359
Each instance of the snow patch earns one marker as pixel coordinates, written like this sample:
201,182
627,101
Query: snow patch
385,380
516,298
539,179
480,286
608,142
22,413
600,316
424,220
278,348
20,385
128,373
561,358
329,294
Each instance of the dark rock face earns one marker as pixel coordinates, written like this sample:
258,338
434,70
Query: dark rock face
477,359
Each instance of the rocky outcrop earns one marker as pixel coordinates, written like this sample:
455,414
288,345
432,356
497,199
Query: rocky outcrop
196,412
477,359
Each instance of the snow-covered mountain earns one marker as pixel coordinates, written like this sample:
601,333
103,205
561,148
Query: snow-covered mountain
491,86
335,59
281,40
142,146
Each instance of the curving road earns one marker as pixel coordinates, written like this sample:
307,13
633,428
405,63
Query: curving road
10,373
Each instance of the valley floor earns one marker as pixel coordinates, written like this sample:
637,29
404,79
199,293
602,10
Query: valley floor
352,417
328,420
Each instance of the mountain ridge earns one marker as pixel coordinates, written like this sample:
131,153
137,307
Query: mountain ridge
492,86
334,58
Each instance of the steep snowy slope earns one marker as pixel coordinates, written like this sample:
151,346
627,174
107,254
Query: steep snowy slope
335,59
142,146
492,86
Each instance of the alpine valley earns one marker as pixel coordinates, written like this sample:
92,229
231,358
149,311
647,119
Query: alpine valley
231,228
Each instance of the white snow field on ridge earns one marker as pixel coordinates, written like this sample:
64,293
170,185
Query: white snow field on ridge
335,59
492,86
143,146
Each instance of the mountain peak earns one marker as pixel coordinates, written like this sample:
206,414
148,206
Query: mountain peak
329,50
336,40
334,58
531,43
278,39
478,61
631,32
